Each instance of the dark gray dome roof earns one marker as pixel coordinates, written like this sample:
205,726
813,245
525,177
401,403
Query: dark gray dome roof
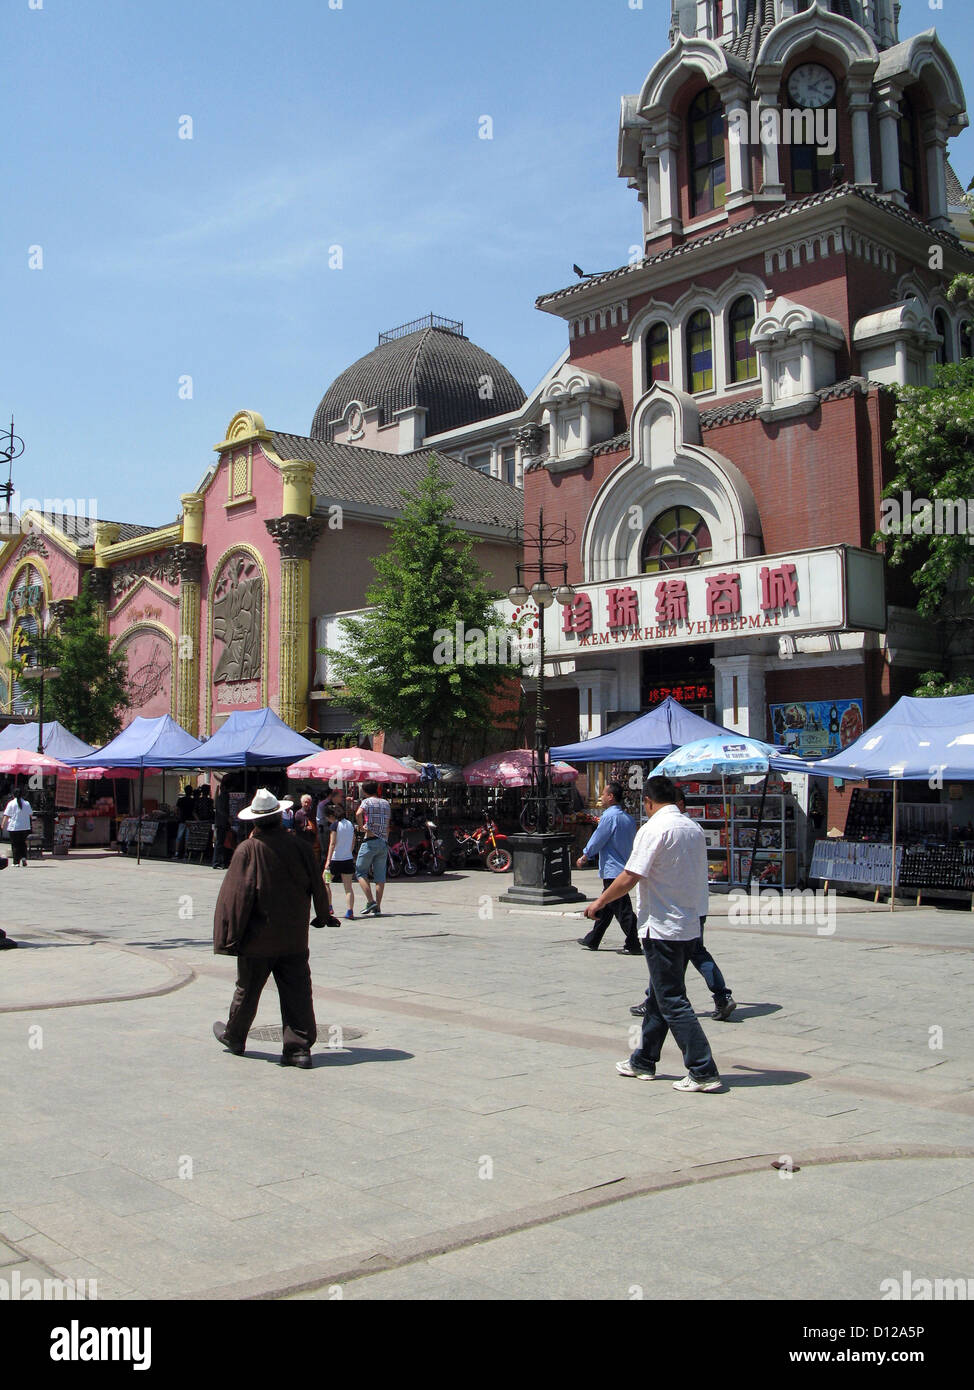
434,366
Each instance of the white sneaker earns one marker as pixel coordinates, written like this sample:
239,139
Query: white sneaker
712,1083
626,1068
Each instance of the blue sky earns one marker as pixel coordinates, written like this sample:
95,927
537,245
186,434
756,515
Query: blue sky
313,128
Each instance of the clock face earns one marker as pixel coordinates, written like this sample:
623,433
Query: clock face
811,85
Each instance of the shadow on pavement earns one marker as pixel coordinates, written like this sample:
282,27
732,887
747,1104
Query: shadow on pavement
349,1057
745,1011
764,1078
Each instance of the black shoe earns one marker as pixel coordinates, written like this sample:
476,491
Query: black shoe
628,951
6,944
638,1010
296,1059
220,1033
583,941
724,1011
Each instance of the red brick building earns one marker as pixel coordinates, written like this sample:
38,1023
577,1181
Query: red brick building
716,437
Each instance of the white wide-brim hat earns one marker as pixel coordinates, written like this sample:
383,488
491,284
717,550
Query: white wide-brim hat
265,803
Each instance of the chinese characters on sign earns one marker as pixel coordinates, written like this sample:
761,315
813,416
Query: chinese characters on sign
722,606
686,694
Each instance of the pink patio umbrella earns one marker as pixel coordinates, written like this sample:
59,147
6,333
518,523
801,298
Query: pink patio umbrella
513,769
20,760
351,765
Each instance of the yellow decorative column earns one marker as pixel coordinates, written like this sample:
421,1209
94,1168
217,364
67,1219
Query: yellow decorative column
188,555
295,533
100,578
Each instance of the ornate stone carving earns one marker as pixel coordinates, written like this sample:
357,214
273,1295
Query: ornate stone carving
60,608
188,560
100,584
295,536
237,611
160,566
240,693
33,545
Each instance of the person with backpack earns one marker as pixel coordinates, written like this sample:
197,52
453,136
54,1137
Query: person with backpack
17,822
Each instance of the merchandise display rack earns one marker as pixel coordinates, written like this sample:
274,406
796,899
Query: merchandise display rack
729,820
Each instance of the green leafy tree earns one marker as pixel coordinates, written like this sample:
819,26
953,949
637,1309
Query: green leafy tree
91,692
935,683
402,667
932,446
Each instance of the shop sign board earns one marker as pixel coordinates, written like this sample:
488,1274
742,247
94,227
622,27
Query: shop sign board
817,728
832,589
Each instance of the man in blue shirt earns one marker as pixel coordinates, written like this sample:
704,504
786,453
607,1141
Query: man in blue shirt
612,842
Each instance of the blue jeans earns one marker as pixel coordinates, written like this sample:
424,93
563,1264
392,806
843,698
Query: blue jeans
701,958
709,969
669,1010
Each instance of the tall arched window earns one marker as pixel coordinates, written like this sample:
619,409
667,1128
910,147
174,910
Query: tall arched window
700,352
708,170
909,177
658,353
677,539
967,339
742,356
945,348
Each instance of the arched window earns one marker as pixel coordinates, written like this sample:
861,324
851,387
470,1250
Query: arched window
944,349
909,179
700,352
708,171
676,540
658,353
743,358
967,339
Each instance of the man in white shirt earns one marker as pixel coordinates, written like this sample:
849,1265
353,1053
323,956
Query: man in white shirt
669,865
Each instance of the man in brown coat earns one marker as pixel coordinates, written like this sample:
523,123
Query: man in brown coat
261,918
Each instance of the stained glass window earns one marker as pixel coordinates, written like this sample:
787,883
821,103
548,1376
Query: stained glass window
677,539
658,353
743,357
811,168
700,352
708,170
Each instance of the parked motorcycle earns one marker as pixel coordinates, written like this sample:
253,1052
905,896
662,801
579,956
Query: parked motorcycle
486,845
430,850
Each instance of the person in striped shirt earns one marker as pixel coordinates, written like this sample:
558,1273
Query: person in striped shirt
373,818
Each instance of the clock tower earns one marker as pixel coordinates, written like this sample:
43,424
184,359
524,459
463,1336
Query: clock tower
800,226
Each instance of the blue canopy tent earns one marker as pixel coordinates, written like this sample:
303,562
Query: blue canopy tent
254,738
914,741
652,735
159,742
58,742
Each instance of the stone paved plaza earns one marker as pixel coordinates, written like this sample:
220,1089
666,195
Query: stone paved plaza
463,1133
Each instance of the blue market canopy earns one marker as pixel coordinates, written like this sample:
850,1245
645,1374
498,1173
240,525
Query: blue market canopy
59,742
146,743
917,739
731,755
254,738
668,726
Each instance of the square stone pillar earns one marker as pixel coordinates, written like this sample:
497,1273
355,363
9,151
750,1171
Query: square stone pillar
739,694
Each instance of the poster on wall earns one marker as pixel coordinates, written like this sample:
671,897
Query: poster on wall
817,728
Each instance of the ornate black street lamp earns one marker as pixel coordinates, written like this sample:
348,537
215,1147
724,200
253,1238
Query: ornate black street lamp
542,860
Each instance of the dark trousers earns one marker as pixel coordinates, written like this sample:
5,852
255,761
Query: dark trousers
701,958
219,835
669,1010
18,844
621,909
292,975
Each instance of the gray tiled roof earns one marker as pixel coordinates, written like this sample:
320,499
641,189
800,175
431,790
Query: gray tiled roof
350,474
434,367
955,189
81,528
738,229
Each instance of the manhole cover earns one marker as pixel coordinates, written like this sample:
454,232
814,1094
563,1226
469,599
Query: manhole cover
334,1034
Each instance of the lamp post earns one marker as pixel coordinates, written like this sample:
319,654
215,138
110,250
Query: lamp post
45,673
542,862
